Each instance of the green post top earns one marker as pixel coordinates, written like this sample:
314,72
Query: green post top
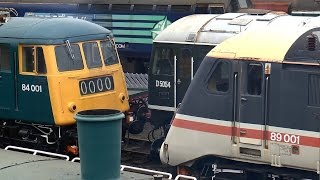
99,115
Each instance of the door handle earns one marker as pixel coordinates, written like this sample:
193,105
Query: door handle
244,99
179,81
243,132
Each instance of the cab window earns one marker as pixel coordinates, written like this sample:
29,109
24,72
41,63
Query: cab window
68,59
219,79
4,58
92,54
33,60
109,53
184,64
254,77
163,62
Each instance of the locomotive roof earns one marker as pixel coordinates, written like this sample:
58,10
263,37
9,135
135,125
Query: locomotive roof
49,30
210,28
283,39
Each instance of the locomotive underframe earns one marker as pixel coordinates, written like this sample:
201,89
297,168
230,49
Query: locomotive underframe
42,137
211,167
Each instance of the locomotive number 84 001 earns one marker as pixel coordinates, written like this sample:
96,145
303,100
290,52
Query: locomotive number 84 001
51,68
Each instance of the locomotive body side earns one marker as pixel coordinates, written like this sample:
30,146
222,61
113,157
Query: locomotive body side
43,83
179,50
51,69
254,100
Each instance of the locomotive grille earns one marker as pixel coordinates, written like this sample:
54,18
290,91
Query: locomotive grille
311,42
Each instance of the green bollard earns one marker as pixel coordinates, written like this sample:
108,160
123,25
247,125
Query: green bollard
99,135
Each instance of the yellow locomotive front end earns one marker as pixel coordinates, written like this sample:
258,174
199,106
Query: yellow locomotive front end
84,75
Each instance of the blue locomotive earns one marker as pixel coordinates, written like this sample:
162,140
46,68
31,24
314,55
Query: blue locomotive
134,23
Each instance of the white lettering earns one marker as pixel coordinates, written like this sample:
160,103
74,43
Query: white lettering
100,84
31,88
83,88
164,84
92,87
107,83
120,46
287,138
96,85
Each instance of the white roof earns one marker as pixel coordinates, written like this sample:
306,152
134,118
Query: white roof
211,28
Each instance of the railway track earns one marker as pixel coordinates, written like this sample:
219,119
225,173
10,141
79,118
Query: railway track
135,150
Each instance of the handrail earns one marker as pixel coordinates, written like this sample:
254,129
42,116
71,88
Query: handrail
35,152
123,167
75,159
185,177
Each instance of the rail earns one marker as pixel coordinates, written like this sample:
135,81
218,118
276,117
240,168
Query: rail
75,159
185,177
35,152
142,170
122,167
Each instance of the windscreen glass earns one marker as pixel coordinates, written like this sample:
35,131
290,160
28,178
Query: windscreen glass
91,52
68,59
163,61
109,53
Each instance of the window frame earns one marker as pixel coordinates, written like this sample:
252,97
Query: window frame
247,79
212,70
35,59
155,61
9,61
84,56
115,50
84,65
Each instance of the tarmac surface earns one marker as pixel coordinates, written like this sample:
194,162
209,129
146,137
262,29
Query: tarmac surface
24,166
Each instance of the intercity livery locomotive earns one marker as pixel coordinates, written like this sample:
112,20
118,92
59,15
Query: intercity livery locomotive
179,50
49,70
254,104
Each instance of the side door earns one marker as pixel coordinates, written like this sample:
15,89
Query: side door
7,78
33,94
199,53
161,78
183,73
251,103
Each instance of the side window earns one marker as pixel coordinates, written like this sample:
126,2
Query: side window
68,59
163,62
109,53
91,52
33,60
254,78
4,58
41,64
28,59
314,90
219,79
184,64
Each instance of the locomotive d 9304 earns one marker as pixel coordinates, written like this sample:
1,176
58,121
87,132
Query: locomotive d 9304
49,70
253,105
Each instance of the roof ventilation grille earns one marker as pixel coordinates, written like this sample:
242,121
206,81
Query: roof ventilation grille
191,37
311,42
